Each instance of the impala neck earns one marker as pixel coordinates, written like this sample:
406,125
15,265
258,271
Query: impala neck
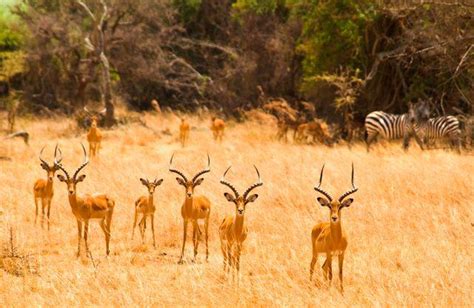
188,203
150,199
238,224
336,230
73,200
93,130
49,184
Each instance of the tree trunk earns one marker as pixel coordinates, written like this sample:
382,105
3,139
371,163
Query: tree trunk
109,105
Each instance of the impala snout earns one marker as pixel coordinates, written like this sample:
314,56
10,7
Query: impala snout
334,218
240,211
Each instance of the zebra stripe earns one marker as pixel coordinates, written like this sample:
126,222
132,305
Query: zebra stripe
390,126
445,126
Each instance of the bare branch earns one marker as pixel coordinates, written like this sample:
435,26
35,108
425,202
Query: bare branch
86,8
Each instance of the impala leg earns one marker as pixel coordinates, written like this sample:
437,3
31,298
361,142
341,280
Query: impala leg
311,266
196,236
86,233
341,263
237,259
103,226
108,234
36,207
224,253
142,227
134,223
185,229
206,231
153,229
79,236
49,208
43,207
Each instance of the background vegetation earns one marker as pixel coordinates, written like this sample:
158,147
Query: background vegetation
214,53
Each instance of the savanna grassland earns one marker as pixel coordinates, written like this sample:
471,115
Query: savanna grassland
410,227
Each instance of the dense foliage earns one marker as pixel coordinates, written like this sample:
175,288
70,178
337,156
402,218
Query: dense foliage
189,53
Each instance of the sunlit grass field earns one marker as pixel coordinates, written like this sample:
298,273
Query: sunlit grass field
410,227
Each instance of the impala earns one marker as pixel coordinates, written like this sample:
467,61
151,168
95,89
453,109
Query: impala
217,127
145,207
94,136
183,131
43,189
194,208
233,229
328,237
86,207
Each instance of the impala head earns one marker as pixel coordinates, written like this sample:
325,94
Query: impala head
151,185
72,181
94,116
189,185
335,206
241,201
94,121
51,170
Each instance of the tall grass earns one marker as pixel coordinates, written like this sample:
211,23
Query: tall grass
410,228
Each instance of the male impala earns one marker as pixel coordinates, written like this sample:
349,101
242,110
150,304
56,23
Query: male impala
145,207
328,237
194,208
233,229
43,189
94,136
86,207
217,127
183,131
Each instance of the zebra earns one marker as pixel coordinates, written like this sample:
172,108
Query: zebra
396,126
441,127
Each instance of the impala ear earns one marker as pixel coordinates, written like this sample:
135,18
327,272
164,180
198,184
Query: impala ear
347,202
180,181
252,198
80,178
323,201
229,197
144,182
61,178
44,166
198,182
158,183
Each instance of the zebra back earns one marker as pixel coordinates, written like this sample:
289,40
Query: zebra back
444,126
390,126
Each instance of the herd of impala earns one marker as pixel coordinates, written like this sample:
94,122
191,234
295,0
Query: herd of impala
326,237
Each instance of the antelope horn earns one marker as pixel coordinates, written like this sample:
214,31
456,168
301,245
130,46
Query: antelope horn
86,110
58,164
175,170
86,161
224,181
352,190
41,158
319,185
208,169
252,187
56,149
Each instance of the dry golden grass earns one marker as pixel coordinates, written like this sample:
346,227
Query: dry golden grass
410,228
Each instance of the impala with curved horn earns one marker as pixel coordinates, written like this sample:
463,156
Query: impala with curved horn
145,207
194,208
86,207
94,136
328,237
43,189
233,229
